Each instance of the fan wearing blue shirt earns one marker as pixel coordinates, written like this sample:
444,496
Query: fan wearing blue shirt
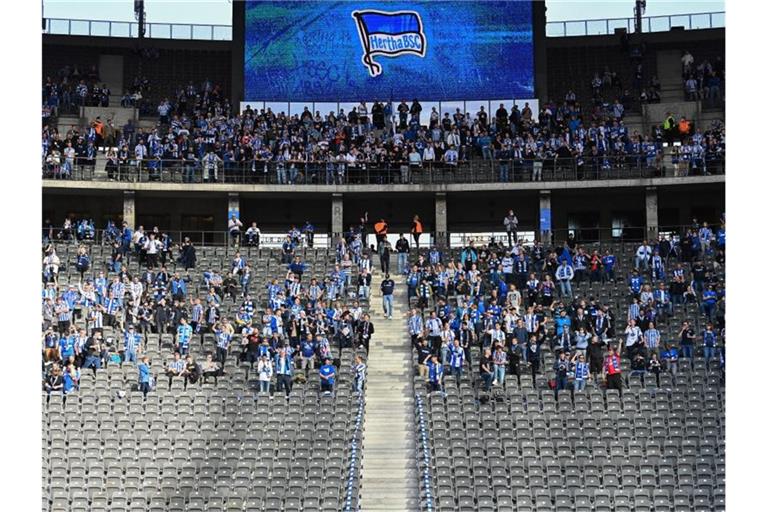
327,376
636,284
709,302
183,336
609,261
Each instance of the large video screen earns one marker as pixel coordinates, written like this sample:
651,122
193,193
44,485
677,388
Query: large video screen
326,51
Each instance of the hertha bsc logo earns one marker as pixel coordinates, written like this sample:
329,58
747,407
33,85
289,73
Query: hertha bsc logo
389,34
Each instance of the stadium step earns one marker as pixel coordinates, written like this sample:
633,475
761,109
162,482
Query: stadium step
389,475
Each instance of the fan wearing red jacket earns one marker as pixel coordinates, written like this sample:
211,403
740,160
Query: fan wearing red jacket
612,370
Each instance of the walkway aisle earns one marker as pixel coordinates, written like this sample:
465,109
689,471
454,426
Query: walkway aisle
389,476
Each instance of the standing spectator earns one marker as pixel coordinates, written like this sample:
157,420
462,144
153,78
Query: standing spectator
364,284
486,369
643,256
284,371
687,338
652,338
222,332
534,357
499,365
416,230
709,342
145,376
562,367
424,354
457,356
564,275
359,368
435,375
510,225
654,367
385,252
612,370
387,291
365,330
234,225
581,373
403,249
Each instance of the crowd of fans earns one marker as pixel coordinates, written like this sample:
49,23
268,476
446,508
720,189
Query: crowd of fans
72,86
105,319
197,136
512,300
703,80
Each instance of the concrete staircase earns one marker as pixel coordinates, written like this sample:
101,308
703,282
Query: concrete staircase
669,73
389,475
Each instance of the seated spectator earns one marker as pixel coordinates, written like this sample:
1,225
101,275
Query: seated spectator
265,371
191,372
210,368
174,368
327,374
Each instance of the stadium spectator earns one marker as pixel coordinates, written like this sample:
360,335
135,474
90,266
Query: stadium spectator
145,376
612,370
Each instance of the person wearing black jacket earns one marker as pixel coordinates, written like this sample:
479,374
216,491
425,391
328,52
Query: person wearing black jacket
230,287
466,339
191,371
513,357
534,357
385,250
561,367
580,320
365,330
595,356
403,248
187,257
486,369
424,354
162,316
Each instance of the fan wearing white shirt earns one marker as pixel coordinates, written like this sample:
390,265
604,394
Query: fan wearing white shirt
643,256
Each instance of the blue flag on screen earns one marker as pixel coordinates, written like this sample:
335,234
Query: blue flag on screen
389,34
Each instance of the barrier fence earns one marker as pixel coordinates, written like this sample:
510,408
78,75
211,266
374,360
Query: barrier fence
321,240
106,28
210,32
259,172
690,21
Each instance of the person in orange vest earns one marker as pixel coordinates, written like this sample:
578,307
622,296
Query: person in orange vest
98,127
684,127
612,370
380,228
416,229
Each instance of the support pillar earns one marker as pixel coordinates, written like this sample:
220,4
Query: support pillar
233,205
233,210
545,216
651,213
129,208
441,220
337,218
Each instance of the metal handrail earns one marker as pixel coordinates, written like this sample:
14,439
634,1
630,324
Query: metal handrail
475,170
458,237
212,32
603,26
108,28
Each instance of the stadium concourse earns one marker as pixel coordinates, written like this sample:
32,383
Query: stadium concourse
238,378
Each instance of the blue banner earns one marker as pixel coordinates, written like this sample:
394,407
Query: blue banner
349,51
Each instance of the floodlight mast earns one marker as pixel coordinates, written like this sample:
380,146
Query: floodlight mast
639,11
